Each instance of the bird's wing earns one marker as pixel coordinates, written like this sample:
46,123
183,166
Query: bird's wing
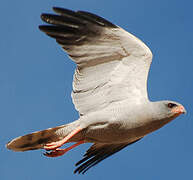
112,64
98,152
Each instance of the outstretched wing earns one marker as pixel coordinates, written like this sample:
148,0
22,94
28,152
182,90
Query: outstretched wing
112,64
98,152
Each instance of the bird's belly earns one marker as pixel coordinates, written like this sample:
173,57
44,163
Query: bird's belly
119,133
112,133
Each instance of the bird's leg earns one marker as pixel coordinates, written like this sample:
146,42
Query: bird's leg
59,152
55,145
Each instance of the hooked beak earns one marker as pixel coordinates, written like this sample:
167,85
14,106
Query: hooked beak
179,110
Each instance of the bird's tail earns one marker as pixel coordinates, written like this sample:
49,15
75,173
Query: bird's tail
38,139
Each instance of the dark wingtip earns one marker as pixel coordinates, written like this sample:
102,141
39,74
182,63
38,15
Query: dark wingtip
96,19
42,28
54,8
63,11
45,17
86,16
95,155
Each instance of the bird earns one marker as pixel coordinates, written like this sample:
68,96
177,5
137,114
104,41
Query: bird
109,90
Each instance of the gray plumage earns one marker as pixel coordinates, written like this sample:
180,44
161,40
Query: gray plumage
109,88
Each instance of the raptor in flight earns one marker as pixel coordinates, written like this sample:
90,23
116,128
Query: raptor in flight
109,90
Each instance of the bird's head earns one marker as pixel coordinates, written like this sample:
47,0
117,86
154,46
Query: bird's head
168,109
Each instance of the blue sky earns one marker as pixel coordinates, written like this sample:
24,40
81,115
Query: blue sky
35,87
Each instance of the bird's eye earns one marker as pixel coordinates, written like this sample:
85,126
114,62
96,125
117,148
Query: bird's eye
171,105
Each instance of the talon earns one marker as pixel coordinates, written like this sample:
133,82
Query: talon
46,154
59,152
55,153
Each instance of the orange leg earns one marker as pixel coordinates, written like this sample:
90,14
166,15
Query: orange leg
60,152
55,145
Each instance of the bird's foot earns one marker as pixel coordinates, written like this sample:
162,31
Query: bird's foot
55,145
55,153
59,152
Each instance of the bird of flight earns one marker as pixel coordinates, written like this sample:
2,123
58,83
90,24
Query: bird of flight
109,90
